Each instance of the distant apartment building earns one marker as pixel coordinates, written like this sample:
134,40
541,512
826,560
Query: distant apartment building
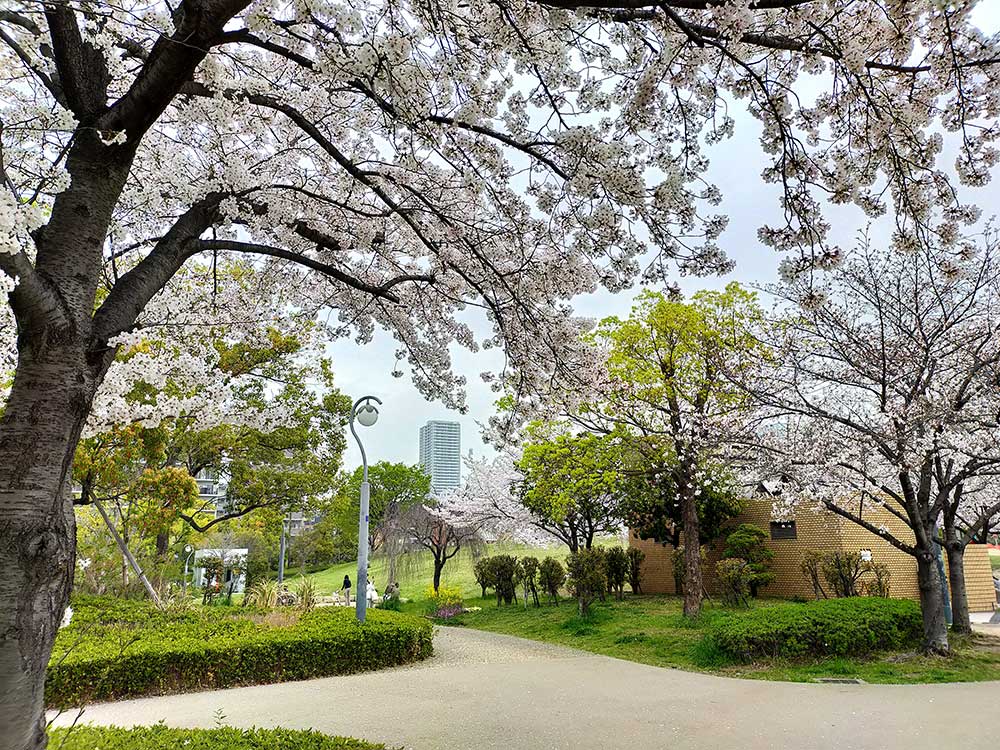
441,454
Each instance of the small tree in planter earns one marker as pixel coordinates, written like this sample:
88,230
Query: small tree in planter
747,542
551,575
635,558
213,568
586,577
616,566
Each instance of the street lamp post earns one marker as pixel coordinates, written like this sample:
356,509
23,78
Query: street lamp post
367,415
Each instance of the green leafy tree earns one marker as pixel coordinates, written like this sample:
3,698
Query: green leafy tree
671,375
573,485
394,489
749,543
586,577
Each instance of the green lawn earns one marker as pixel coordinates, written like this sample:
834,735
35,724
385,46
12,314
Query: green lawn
652,630
416,570
995,562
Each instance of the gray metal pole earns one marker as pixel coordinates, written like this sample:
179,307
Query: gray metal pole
361,591
128,555
281,554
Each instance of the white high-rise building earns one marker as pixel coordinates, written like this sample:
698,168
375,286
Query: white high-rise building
441,454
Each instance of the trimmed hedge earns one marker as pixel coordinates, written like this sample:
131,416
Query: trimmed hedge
855,626
119,649
160,737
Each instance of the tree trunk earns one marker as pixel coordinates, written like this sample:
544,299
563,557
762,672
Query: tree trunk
41,424
438,567
692,552
162,544
960,622
931,604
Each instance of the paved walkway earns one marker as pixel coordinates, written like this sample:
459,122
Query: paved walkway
485,691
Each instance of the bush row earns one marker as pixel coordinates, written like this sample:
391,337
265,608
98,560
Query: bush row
832,627
126,649
160,737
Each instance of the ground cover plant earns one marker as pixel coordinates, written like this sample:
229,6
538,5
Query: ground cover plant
159,737
117,648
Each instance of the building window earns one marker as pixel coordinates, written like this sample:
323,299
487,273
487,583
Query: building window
783,530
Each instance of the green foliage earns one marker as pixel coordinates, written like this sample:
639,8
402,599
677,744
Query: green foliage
118,649
528,577
735,575
749,543
393,489
833,627
573,484
843,571
811,566
879,583
483,571
652,509
305,593
616,567
586,577
504,572
679,566
159,737
551,576
635,558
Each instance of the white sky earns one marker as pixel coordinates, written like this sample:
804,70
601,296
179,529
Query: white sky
749,203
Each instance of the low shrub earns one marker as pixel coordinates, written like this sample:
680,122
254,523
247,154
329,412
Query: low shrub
117,649
748,543
635,558
830,627
528,577
159,737
616,569
551,575
735,576
586,577
843,571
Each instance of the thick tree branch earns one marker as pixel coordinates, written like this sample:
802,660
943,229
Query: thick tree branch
83,72
382,290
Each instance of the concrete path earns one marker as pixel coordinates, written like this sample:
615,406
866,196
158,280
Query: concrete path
485,691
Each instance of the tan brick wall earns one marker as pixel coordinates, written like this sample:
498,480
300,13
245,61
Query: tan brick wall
979,579
823,531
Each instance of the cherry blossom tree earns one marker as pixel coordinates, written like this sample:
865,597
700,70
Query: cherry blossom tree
889,365
487,501
401,162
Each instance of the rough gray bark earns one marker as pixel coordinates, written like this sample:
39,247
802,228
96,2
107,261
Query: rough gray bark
38,433
932,603
692,551
960,622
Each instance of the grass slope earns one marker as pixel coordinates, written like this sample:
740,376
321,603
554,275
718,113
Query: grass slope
417,570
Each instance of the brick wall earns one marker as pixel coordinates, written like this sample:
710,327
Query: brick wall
823,531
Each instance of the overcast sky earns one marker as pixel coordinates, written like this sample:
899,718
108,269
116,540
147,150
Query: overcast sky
749,203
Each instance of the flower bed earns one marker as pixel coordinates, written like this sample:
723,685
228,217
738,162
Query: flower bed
118,649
